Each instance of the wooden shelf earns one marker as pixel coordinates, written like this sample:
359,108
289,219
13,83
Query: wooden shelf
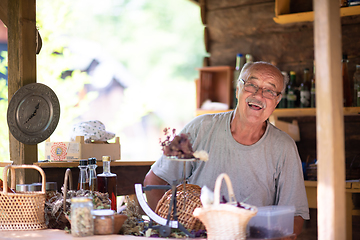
292,112
99,163
283,15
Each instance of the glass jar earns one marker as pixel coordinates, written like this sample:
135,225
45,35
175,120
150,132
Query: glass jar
82,223
103,221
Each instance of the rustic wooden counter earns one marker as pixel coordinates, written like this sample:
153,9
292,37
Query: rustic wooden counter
128,173
55,234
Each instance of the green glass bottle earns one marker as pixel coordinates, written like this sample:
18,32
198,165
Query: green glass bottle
312,90
291,96
305,90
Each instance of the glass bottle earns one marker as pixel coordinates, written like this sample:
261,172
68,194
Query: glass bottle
107,182
282,103
238,66
83,183
313,90
357,86
291,96
347,93
82,223
305,90
92,174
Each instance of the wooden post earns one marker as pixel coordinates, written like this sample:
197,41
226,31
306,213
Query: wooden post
329,121
21,26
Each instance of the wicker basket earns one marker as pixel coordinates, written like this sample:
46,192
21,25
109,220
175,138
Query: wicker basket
186,217
225,221
25,210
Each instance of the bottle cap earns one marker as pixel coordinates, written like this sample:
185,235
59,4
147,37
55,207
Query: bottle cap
106,158
103,212
292,73
92,160
83,162
80,200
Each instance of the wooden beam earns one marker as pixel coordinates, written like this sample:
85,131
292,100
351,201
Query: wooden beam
21,69
4,11
329,122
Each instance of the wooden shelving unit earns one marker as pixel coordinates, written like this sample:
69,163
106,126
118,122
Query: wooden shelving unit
292,112
283,15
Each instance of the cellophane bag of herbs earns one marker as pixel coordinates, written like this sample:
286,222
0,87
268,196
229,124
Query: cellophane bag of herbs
56,217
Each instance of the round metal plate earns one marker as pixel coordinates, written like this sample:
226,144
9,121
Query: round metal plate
33,113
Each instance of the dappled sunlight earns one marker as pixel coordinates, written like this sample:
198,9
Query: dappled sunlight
131,65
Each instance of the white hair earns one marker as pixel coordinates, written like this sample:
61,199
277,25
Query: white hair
248,65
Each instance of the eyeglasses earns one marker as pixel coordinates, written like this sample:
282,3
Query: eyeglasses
252,88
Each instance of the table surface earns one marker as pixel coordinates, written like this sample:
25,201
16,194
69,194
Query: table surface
55,234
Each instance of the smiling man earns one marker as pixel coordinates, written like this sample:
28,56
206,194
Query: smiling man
262,161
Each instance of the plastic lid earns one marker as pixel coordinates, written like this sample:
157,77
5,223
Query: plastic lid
103,212
83,162
275,210
92,160
80,199
106,158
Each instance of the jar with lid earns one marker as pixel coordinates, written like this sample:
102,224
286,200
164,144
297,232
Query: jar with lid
82,223
103,221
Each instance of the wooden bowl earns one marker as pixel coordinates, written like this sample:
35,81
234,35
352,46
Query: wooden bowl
119,220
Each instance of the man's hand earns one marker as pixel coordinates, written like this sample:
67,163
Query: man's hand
153,196
298,224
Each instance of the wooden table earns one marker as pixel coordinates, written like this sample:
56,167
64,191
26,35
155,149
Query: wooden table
55,234
128,173
351,187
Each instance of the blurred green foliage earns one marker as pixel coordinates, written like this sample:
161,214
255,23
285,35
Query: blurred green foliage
4,131
160,42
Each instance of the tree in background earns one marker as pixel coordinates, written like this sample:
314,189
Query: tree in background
160,44
4,131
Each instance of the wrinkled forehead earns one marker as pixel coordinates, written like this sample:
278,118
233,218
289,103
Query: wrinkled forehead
264,72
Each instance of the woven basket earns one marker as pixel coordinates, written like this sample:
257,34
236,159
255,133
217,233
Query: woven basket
186,217
25,210
225,221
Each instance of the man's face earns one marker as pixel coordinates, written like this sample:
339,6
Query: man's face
254,107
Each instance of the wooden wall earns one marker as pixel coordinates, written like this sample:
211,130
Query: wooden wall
247,26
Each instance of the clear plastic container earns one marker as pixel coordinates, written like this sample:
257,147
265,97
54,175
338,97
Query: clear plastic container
272,222
82,223
103,221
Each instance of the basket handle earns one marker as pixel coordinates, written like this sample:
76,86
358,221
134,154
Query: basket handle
13,167
218,182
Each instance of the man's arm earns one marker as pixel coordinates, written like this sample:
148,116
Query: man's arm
298,224
153,196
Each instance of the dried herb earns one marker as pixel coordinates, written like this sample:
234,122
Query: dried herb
262,232
54,212
134,225
176,145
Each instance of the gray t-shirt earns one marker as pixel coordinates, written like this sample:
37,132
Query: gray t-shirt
268,172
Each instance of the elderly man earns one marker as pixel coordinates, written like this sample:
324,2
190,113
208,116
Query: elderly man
262,161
